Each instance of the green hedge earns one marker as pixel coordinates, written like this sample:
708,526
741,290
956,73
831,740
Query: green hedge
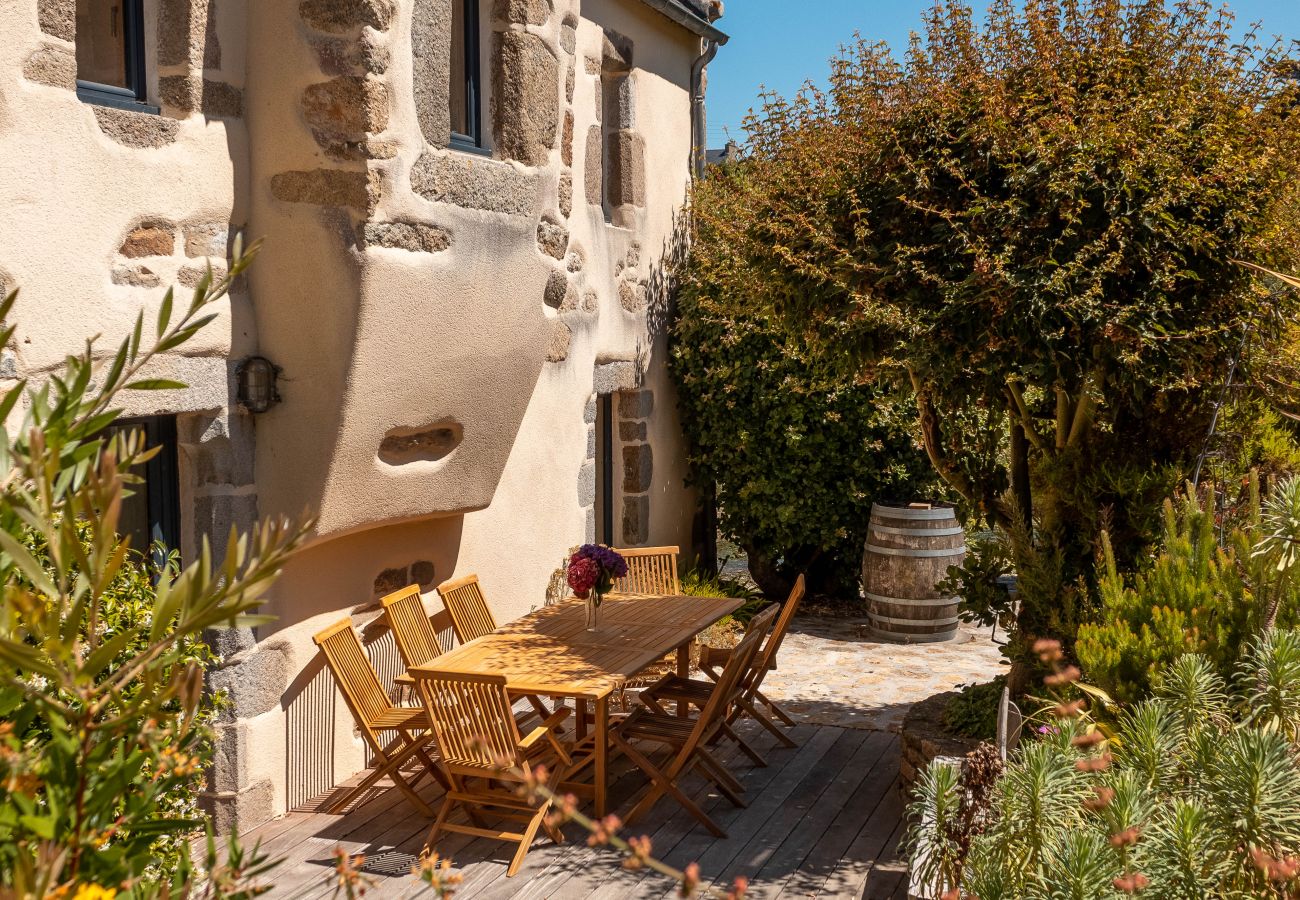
797,454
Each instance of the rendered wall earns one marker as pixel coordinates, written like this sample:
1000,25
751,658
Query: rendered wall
105,208
443,321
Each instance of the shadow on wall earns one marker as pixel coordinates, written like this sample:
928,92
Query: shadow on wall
349,574
309,736
661,288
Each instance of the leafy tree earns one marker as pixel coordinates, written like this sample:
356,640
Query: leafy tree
1037,219
101,675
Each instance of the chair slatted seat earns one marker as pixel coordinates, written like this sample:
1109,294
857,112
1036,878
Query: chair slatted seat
688,746
375,713
478,738
650,570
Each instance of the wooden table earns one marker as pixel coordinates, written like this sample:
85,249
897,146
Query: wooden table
550,652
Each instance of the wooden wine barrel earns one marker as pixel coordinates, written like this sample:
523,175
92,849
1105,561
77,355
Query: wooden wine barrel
908,551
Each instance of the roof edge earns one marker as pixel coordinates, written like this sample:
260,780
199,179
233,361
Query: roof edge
688,20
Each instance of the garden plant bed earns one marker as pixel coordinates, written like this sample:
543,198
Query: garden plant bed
925,738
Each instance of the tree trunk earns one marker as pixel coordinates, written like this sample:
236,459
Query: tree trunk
774,583
1020,489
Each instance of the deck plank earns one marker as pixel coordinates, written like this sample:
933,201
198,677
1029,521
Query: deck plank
851,816
715,856
877,841
585,869
667,825
824,819
664,825
752,857
786,861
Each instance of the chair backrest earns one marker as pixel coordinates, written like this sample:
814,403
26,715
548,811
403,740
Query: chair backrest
413,633
473,723
650,570
760,624
767,658
353,672
724,690
470,615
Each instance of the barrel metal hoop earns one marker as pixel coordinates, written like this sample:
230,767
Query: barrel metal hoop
916,554
917,532
904,601
904,512
876,617
913,637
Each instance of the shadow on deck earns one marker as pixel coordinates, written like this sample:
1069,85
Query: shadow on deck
824,820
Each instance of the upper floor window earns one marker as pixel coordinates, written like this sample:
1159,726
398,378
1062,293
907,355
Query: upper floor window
465,89
110,54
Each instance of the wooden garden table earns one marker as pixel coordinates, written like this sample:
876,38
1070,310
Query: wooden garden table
550,652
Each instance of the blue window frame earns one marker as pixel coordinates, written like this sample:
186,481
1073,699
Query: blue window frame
111,54
465,84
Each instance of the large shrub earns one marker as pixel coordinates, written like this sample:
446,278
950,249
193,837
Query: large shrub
1193,793
1039,212
104,738
796,452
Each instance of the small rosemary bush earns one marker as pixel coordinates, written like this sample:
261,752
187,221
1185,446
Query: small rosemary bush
1197,594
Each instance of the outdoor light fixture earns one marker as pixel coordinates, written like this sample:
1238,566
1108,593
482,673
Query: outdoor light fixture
256,379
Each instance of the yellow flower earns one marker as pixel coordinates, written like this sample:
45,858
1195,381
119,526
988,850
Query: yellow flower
94,892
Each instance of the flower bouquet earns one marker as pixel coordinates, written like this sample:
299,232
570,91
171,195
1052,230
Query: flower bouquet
592,570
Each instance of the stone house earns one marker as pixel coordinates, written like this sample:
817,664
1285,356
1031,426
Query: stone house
465,206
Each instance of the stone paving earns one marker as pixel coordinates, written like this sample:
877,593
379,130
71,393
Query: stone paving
832,673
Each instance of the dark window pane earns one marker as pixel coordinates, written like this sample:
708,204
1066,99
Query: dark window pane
134,523
458,99
152,513
101,42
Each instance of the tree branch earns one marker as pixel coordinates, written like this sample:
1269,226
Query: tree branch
932,439
1026,420
1062,417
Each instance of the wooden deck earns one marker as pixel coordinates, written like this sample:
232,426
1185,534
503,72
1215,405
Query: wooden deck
824,820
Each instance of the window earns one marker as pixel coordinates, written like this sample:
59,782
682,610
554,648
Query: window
110,54
152,512
464,92
604,468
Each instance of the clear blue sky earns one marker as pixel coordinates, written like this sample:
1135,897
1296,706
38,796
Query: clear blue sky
781,44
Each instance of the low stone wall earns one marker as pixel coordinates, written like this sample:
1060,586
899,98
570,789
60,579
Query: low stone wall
924,738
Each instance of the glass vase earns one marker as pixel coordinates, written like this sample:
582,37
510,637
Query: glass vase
593,611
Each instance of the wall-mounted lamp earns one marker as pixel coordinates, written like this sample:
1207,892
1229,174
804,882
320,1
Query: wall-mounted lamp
255,378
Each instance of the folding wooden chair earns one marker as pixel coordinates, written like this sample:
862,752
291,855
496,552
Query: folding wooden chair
413,632
472,618
676,689
375,713
650,570
713,658
686,739
477,737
